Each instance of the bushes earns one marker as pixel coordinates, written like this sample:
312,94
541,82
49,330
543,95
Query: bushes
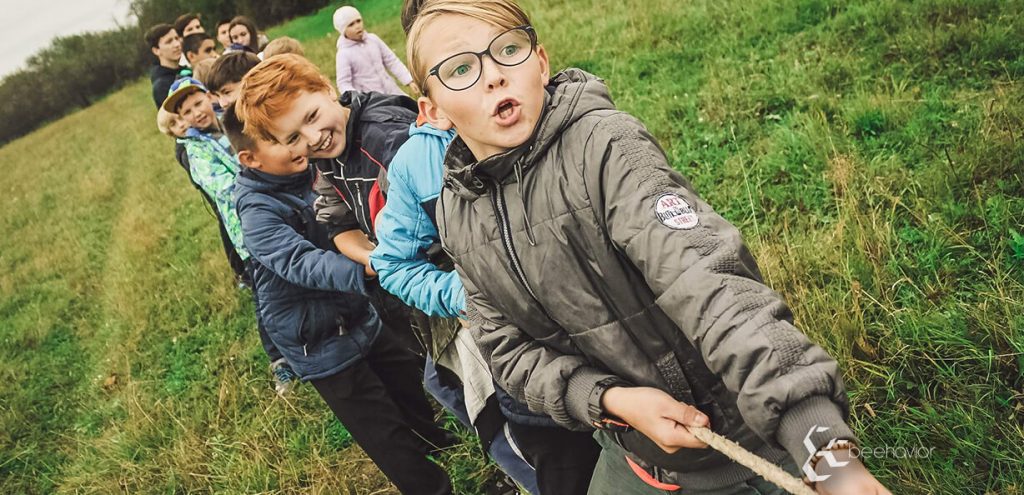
74,71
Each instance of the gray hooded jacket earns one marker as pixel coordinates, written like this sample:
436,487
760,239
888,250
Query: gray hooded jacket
587,259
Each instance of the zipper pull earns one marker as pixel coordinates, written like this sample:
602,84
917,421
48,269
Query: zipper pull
304,350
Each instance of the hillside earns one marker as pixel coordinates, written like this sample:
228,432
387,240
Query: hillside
870,151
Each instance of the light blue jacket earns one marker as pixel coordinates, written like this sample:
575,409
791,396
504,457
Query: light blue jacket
406,228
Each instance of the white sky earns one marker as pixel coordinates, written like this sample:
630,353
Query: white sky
28,27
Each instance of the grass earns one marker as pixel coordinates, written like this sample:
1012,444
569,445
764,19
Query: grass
871,151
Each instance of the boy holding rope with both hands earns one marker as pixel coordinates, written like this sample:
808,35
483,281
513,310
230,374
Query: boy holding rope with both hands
603,291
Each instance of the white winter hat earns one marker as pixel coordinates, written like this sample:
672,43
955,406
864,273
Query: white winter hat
344,16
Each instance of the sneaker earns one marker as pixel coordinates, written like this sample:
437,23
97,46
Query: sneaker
285,379
503,485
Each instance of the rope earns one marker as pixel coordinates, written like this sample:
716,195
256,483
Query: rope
762,467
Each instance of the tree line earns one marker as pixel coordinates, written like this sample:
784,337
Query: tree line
76,70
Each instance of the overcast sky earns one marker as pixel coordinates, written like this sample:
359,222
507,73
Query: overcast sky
29,26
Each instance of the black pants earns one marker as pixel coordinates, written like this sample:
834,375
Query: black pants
564,459
380,401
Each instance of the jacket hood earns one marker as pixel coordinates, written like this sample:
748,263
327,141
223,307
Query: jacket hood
250,180
429,130
570,95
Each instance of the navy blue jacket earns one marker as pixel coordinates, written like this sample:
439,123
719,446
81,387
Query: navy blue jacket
313,300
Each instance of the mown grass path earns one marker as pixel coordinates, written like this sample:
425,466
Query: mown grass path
871,151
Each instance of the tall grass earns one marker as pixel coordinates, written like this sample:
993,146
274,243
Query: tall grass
871,151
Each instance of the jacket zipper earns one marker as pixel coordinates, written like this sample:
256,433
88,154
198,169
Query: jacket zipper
505,225
360,214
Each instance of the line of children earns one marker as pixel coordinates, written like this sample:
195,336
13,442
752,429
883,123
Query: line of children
351,141
602,291
214,168
376,391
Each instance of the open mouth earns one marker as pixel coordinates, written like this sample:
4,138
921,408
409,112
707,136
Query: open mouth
325,143
505,108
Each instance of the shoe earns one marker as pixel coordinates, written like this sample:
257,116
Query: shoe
501,486
285,379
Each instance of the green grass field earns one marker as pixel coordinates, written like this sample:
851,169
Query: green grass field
871,151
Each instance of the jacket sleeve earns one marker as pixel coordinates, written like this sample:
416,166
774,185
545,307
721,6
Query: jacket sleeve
404,233
282,250
331,209
391,61
706,280
343,72
219,184
545,379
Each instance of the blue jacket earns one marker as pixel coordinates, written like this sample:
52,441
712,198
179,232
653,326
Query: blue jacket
406,227
313,300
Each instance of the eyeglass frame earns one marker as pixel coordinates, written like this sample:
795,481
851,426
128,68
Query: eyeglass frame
530,32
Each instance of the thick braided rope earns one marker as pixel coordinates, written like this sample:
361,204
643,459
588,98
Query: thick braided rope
759,465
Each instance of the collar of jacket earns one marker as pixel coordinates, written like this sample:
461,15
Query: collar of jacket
358,103
344,42
570,95
261,181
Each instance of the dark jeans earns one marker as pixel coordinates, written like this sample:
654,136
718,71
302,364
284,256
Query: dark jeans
380,401
564,459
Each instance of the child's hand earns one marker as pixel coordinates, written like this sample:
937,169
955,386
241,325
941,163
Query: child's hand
851,479
657,415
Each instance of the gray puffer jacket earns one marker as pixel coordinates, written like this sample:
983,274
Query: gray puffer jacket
588,259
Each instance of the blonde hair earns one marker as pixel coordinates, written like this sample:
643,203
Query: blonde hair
283,45
505,14
164,121
203,69
269,89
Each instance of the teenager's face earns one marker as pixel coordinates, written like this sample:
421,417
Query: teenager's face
197,110
207,49
228,94
314,126
168,48
193,27
240,35
354,30
500,110
274,159
223,36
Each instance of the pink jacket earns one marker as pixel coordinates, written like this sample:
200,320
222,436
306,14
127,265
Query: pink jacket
364,66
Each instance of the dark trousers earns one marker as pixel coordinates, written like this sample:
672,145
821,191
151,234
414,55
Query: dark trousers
564,459
380,401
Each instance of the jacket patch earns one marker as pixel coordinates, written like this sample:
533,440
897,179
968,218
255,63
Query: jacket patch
675,213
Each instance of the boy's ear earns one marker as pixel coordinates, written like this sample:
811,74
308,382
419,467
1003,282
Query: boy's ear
545,71
434,114
246,158
156,51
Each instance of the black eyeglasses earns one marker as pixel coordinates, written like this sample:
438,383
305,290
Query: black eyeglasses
462,70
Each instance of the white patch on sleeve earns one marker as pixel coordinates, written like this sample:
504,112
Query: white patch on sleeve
675,212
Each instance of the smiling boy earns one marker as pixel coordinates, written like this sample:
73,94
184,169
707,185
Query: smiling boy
320,316
602,289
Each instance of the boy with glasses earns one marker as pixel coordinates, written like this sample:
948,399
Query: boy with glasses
601,288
